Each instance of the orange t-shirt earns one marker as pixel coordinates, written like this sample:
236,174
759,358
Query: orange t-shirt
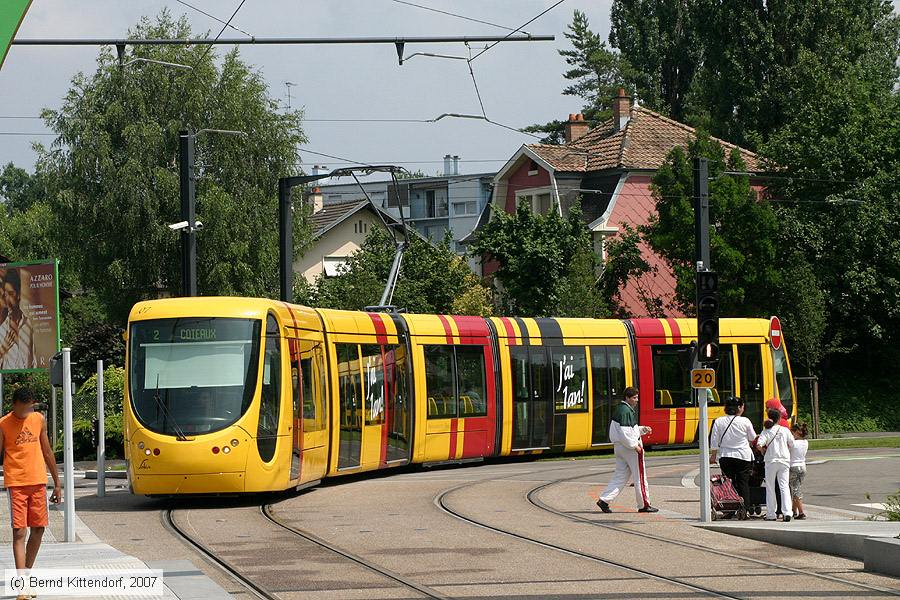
23,461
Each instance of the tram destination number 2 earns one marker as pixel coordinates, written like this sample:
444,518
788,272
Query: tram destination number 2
703,378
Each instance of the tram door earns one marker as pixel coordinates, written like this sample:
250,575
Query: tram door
350,405
532,401
608,365
750,365
297,403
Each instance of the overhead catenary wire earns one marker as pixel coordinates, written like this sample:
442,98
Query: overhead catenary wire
221,31
520,27
215,18
458,16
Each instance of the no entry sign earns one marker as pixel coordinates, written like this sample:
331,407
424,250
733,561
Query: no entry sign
775,332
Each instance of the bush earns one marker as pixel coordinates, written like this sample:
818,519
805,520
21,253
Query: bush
83,448
892,507
85,401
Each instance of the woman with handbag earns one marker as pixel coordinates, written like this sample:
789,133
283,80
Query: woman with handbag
730,441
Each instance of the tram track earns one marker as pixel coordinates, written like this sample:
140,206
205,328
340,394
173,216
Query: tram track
440,501
255,590
532,497
266,511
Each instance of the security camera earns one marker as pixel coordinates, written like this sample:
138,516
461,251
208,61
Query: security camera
181,225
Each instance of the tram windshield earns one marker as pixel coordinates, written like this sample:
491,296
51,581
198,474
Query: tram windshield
192,375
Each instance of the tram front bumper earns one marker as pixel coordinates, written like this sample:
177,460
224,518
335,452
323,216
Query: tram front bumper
200,483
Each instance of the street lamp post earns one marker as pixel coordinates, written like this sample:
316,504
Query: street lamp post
189,206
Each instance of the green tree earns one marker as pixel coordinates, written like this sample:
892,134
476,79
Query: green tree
115,162
595,74
546,263
433,279
730,67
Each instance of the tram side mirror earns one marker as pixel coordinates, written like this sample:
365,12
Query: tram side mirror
56,369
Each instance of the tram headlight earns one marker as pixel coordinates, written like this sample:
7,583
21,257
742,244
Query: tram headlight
140,445
147,452
234,442
226,449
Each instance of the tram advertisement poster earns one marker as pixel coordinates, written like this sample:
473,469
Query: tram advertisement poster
29,315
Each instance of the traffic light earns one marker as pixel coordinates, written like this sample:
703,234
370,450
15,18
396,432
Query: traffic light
708,316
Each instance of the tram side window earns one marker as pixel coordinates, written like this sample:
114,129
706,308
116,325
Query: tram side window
373,370
470,379
569,370
270,397
439,382
724,376
296,394
311,382
671,376
348,383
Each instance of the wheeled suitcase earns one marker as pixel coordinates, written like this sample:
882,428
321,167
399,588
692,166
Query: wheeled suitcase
725,498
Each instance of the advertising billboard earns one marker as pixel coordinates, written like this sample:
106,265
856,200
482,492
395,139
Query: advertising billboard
29,315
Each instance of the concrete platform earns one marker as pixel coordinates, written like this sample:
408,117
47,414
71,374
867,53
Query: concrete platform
847,538
182,579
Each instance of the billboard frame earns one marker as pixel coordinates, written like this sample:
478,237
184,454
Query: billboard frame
31,263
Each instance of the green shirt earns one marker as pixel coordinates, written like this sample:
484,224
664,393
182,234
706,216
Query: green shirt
624,415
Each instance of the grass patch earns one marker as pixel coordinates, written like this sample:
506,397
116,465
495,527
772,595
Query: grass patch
866,442
829,444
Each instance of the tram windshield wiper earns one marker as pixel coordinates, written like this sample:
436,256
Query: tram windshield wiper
179,432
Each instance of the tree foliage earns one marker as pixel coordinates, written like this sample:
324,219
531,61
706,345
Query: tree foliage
433,279
546,263
730,67
115,169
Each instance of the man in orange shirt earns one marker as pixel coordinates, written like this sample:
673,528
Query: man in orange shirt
26,458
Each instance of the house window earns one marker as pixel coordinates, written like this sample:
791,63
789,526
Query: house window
332,266
540,200
465,208
435,203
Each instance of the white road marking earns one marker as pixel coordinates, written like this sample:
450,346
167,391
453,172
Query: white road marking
873,505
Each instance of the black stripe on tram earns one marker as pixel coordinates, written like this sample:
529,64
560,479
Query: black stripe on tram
551,335
523,331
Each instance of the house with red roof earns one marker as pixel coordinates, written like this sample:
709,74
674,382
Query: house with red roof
609,168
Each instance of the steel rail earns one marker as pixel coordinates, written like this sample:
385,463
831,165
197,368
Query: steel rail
275,40
441,502
254,589
266,510
531,496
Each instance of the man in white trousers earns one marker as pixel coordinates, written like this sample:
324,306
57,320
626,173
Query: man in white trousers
625,434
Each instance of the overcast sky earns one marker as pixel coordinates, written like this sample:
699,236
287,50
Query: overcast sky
520,83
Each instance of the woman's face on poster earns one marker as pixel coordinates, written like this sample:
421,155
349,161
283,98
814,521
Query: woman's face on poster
10,297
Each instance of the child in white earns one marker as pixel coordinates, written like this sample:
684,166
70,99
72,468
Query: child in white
798,467
778,442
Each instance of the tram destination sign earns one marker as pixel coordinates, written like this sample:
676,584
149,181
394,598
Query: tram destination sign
29,315
702,379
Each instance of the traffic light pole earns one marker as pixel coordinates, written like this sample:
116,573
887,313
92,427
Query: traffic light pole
701,229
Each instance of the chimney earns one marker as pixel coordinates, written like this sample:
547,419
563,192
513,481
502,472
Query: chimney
316,199
576,127
319,169
621,108
455,165
448,164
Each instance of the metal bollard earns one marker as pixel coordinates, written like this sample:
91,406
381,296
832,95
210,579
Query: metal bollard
101,434
68,451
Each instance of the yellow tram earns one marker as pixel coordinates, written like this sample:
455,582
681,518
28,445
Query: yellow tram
233,395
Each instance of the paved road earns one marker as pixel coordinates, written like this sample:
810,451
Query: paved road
519,530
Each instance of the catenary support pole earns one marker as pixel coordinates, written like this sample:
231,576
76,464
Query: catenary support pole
705,501
68,454
101,434
188,213
285,240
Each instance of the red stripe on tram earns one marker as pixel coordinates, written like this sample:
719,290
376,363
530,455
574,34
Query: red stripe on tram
676,331
380,328
447,331
510,331
679,425
453,428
